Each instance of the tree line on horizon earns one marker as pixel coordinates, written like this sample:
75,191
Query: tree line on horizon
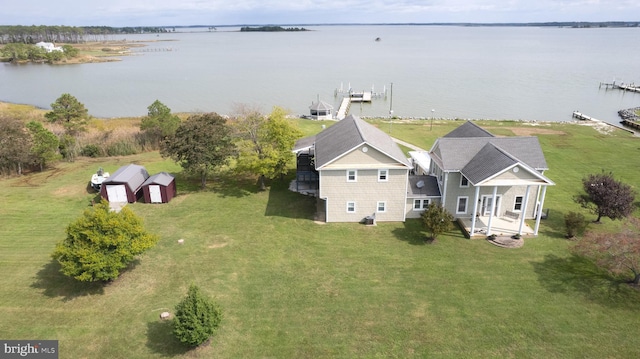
67,34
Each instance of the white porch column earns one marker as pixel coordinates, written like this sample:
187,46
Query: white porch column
539,214
523,210
475,210
493,206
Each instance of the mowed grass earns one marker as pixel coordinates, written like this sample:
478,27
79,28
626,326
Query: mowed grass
292,288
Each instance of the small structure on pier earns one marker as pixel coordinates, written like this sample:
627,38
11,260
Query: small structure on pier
321,111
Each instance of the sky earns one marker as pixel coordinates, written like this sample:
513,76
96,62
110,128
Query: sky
120,13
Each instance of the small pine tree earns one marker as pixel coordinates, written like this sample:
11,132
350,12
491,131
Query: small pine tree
197,318
436,219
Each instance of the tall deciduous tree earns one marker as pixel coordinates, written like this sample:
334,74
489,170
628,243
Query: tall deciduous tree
101,243
202,143
45,144
15,144
436,220
606,197
69,112
265,143
619,252
197,318
159,122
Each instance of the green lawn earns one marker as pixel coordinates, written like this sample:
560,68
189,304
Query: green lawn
291,288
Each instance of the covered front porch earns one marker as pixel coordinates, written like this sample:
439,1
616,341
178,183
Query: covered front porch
500,226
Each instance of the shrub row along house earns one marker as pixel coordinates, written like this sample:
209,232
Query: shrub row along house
132,182
490,184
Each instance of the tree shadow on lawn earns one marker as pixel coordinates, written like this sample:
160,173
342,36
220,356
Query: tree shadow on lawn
414,233
55,284
578,274
162,341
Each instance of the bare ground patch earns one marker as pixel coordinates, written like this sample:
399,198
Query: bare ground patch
531,130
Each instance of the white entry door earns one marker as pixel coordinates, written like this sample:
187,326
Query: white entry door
117,193
154,193
487,203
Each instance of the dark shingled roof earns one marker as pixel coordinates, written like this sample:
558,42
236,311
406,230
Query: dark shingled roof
453,154
469,129
350,133
429,188
487,162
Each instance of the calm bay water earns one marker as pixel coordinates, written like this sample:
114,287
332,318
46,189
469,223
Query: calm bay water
526,73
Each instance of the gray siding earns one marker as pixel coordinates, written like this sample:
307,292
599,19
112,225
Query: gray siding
366,192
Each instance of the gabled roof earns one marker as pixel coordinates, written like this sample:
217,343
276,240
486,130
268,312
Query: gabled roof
453,154
487,162
349,133
162,178
469,129
320,105
133,176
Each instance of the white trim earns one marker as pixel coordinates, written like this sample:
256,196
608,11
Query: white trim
386,175
465,178
466,205
424,203
515,202
384,206
349,208
496,206
355,176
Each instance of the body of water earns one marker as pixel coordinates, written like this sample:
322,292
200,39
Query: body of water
527,73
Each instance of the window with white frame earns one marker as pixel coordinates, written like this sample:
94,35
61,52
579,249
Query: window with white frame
352,175
464,182
420,204
462,205
382,206
351,207
383,175
517,204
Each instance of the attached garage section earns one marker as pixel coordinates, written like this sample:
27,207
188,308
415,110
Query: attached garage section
124,184
159,188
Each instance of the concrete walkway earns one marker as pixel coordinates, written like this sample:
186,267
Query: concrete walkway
407,144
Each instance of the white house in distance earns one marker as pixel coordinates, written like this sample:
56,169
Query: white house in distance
48,46
358,172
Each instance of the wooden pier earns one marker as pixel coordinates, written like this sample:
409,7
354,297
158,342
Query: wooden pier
629,87
581,116
344,108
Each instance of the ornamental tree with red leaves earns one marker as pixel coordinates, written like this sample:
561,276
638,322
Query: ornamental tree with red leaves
606,197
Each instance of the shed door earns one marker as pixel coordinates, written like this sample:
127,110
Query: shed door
117,193
154,192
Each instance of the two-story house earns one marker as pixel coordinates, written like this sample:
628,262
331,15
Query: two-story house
360,172
484,178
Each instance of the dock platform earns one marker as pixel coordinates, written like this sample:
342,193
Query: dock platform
582,116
